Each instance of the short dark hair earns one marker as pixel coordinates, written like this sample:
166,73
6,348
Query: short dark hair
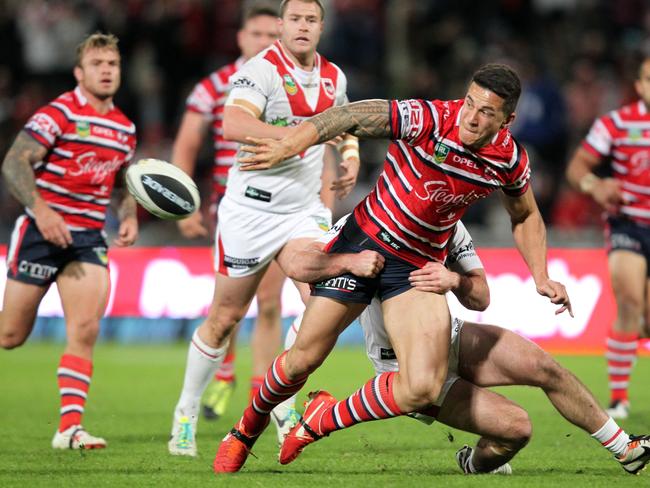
502,80
283,7
259,11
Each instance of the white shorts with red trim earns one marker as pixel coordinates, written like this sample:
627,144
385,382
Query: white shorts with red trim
247,239
381,353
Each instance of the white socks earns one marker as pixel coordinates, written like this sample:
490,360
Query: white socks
612,437
202,363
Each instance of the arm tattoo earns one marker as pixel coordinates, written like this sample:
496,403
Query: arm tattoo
17,168
366,119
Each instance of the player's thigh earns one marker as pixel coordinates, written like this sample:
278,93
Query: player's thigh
233,295
628,273
480,411
270,287
19,308
418,325
493,356
83,288
322,322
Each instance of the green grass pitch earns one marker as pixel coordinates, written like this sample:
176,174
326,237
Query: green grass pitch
135,388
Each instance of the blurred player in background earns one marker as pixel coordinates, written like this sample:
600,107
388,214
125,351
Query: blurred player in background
480,356
205,107
622,136
62,168
272,214
444,155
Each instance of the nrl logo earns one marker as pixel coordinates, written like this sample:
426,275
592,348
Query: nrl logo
83,129
440,153
289,85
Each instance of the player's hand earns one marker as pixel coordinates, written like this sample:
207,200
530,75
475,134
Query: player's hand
349,171
127,233
557,293
608,194
192,227
51,225
264,153
434,277
366,264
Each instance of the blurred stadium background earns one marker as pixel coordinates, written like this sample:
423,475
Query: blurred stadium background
577,59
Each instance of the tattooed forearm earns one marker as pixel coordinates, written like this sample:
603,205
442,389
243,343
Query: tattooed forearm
366,119
17,168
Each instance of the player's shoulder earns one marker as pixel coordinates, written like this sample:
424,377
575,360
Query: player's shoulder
504,149
632,112
117,116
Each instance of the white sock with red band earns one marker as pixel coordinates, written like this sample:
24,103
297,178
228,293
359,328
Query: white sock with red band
202,362
612,437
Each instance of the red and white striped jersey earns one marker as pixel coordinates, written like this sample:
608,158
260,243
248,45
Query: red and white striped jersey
85,151
208,98
624,135
429,179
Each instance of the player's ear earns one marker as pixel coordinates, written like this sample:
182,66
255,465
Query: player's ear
509,120
78,73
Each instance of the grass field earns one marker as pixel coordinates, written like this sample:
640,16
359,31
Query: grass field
135,388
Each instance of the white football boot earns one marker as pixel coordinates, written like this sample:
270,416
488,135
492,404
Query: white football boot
284,417
462,458
76,437
183,437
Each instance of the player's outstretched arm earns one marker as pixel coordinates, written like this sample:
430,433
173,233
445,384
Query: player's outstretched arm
313,264
19,175
365,119
471,288
529,232
241,120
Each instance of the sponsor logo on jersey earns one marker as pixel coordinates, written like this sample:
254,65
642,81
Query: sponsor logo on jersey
339,283
87,163
447,200
624,241
83,128
322,222
36,270
257,194
328,87
388,239
102,254
240,263
279,122
440,153
289,85
462,252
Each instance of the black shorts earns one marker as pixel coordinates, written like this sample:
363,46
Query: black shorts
391,281
33,260
625,234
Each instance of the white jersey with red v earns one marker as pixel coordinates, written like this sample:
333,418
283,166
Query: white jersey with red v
624,136
85,151
285,95
429,179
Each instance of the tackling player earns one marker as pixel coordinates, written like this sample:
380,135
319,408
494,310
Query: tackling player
272,214
444,155
622,136
480,356
62,168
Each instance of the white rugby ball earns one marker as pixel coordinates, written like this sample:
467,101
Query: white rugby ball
163,189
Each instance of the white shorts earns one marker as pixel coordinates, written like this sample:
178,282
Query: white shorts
381,354
247,239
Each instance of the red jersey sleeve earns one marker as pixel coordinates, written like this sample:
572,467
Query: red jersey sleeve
599,139
203,98
46,125
412,121
519,175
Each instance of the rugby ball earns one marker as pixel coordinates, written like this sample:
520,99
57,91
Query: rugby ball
163,189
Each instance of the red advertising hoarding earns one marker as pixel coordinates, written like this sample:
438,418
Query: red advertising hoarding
178,282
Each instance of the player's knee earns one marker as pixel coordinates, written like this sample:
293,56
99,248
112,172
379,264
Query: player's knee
423,390
269,306
9,340
520,429
629,307
86,331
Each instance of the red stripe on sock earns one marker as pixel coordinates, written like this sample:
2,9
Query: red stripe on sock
81,366
612,438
